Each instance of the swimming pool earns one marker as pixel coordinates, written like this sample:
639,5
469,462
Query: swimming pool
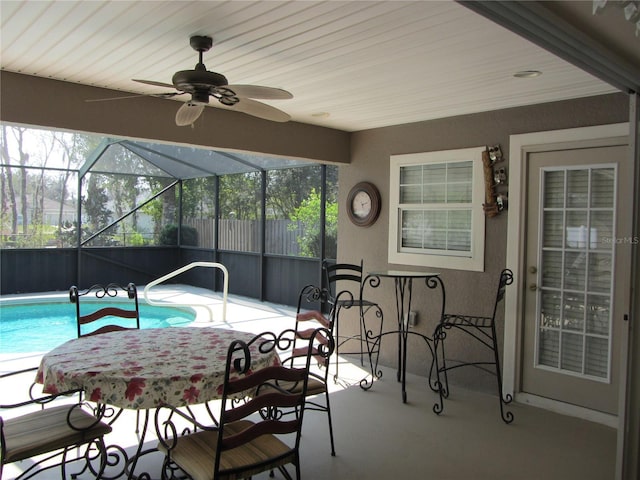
40,327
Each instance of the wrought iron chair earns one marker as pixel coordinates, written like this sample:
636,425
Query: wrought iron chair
240,447
306,323
105,319
89,314
350,277
480,328
42,433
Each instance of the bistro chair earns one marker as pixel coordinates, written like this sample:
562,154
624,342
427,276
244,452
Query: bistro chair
28,430
94,317
251,435
349,277
125,315
477,328
306,323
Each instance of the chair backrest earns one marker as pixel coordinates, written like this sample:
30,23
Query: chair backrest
307,321
122,315
343,272
281,408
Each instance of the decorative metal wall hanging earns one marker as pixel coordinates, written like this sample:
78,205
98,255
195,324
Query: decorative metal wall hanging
495,181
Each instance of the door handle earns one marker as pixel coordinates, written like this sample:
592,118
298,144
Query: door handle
533,287
533,270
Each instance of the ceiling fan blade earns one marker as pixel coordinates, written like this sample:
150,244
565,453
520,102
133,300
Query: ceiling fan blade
260,110
256,91
188,113
159,95
156,84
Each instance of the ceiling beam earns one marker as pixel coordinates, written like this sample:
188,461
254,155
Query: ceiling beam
538,24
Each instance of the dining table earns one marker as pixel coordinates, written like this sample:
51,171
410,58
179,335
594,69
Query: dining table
403,282
144,369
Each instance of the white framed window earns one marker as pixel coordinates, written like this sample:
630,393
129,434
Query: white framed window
436,217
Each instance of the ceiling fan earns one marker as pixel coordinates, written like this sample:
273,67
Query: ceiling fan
202,84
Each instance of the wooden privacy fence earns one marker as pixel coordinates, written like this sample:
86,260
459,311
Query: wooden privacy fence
244,235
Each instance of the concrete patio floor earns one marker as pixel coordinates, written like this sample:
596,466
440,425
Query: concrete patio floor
379,437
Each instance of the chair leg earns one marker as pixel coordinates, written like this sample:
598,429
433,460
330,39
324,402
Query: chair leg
371,340
337,348
333,450
361,338
438,338
507,417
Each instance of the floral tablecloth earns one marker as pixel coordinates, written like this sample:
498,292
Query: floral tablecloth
140,369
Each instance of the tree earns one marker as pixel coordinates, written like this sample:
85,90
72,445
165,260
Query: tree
308,213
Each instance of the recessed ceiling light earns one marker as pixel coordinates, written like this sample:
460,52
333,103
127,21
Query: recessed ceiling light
527,74
320,114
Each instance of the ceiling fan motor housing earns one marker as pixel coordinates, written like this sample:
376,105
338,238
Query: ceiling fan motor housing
200,83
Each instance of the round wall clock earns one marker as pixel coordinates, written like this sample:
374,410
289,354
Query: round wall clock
363,204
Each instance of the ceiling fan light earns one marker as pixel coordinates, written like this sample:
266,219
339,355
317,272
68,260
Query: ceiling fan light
188,113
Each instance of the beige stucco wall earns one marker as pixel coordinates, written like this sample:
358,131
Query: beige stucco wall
38,101
467,292
364,156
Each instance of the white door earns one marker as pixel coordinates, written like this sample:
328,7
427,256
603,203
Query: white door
577,263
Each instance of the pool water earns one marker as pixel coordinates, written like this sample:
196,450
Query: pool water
40,327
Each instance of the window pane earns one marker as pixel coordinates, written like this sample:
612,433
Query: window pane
577,188
549,348
435,173
411,175
552,270
459,241
411,194
434,194
572,352
598,314
553,189
575,270
602,229
602,187
459,172
552,235
600,268
459,192
597,357
550,311
574,313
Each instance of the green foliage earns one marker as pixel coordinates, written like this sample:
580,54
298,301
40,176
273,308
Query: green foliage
308,214
169,235
135,239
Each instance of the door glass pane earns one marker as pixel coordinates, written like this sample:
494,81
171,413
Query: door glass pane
553,189
576,271
598,314
552,236
577,188
550,310
600,270
552,269
597,354
577,229
574,313
549,348
602,187
571,352
602,229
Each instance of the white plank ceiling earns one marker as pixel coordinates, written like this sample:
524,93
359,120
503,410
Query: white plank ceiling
351,65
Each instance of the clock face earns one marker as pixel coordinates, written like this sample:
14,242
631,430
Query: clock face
361,204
